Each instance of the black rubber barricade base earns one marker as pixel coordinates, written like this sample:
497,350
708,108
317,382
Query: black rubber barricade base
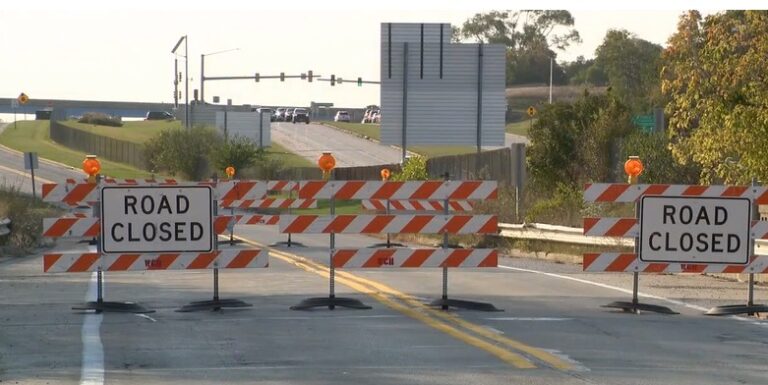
391,244
636,308
737,309
113,307
330,303
213,305
285,243
446,303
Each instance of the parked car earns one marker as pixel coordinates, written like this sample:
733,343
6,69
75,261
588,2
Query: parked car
280,114
289,114
376,118
341,116
368,116
300,115
159,115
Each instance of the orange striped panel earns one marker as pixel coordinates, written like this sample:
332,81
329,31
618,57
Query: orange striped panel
416,224
79,193
588,223
242,259
734,269
426,190
734,191
203,260
612,193
621,263
588,258
656,267
380,258
490,227
47,188
339,223
300,223
695,190
456,257
763,198
348,189
50,260
656,189
341,257
123,262
377,225
492,260
387,190
83,263
163,261
310,189
417,258
621,227
60,227
464,190
455,223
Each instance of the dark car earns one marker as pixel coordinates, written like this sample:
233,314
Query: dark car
300,115
159,115
289,114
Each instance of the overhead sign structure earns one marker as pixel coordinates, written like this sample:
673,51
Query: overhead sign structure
156,219
683,229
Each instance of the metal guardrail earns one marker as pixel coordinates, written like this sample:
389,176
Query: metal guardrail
5,226
574,235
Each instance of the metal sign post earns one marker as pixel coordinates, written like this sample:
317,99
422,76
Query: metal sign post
31,163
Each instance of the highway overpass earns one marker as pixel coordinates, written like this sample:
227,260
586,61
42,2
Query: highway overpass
78,107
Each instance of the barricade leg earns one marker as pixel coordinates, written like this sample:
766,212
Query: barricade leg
444,302
750,308
331,301
100,305
216,303
635,306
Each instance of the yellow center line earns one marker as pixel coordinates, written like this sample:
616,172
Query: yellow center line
349,278
26,175
511,358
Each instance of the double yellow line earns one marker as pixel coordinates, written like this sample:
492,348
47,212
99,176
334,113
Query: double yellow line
472,334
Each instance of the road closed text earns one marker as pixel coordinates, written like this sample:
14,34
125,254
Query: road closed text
694,229
708,216
156,219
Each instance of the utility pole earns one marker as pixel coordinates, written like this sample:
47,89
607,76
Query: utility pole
551,62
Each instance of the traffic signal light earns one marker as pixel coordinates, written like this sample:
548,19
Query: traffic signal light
359,82
309,74
303,76
339,80
282,76
256,77
333,80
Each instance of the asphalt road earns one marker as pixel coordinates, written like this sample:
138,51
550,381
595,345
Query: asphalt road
310,140
553,329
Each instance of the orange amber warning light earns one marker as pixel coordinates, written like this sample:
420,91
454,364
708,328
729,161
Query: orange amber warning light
633,167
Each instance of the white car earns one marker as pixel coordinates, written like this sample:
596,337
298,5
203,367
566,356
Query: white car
342,116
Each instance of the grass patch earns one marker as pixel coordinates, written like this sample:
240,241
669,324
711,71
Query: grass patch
286,158
370,130
435,151
34,136
519,128
324,208
134,131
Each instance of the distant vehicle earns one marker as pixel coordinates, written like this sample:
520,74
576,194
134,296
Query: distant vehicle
300,115
368,116
280,114
342,116
159,115
289,114
376,117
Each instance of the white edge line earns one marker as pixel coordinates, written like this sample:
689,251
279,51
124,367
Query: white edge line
626,291
92,372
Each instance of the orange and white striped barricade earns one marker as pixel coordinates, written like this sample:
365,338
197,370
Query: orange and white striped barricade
419,223
663,250
423,205
145,225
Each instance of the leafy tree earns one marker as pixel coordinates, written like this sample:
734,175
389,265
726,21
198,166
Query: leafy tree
239,152
715,76
530,37
659,164
632,67
577,142
182,151
583,71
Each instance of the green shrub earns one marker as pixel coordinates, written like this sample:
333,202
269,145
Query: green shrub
414,169
564,207
101,119
26,215
239,152
182,151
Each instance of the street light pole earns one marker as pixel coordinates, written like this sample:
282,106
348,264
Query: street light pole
202,70
186,76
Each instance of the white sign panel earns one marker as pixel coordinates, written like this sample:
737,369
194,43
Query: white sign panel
695,230
154,219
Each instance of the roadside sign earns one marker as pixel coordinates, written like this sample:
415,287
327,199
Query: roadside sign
30,161
645,122
688,229
14,103
155,219
23,98
531,111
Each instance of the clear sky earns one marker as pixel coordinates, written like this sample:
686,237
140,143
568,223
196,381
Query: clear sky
121,50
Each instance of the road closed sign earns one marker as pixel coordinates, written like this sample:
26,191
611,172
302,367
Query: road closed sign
155,219
695,230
